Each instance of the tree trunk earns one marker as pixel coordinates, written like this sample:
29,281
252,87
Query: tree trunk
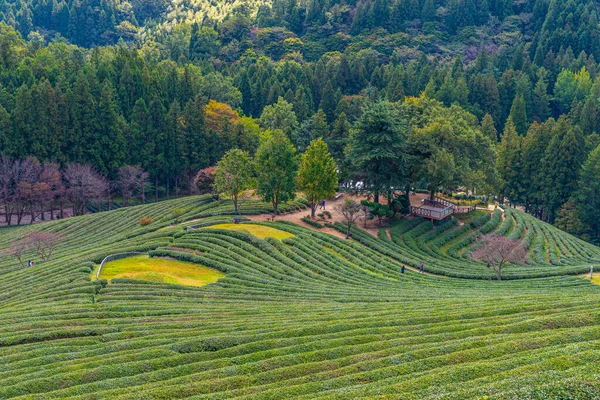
499,273
389,198
432,195
376,197
313,208
168,186
176,184
156,187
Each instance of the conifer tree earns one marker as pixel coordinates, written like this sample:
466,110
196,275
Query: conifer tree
488,128
377,147
518,115
561,164
588,194
509,161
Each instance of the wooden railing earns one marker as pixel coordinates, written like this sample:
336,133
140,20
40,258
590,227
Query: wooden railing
427,213
464,209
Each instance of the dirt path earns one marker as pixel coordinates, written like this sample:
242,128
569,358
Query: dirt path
296,218
372,228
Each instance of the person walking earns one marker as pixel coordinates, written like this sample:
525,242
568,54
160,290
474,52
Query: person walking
29,263
422,268
322,204
402,269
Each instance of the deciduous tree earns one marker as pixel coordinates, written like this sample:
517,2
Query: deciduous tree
350,211
498,251
276,168
317,176
234,175
44,243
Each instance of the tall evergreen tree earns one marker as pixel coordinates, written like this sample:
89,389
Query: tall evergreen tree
518,115
488,128
588,194
509,162
562,160
377,148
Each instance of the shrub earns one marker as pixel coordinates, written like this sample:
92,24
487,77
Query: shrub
312,223
145,221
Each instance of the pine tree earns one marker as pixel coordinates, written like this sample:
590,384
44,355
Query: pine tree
488,128
518,115
541,100
561,164
588,194
377,147
338,138
533,150
6,134
195,147
109,136
509,162
428,12
328,102
319,126
138,151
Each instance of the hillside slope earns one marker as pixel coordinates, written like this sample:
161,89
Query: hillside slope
310,316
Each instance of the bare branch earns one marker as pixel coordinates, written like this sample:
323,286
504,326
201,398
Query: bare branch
350,210
498,251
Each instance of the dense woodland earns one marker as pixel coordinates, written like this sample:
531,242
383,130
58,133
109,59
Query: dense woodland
115,83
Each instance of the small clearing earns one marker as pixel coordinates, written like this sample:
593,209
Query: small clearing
161,270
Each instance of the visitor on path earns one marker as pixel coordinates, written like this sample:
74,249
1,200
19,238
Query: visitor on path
422,268
402,269
322,206
29,263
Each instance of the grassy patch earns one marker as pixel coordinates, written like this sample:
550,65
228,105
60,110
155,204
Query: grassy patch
160,270
260,231
468,218
595,279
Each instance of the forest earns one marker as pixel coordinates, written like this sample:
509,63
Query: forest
170,88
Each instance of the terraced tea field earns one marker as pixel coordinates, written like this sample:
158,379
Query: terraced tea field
299,314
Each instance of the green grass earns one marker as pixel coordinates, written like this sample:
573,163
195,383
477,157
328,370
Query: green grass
297,313
259,231
468,218
160,270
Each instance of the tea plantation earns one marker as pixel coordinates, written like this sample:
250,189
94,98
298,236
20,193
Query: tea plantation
302,316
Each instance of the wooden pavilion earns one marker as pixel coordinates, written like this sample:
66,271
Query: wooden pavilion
438,209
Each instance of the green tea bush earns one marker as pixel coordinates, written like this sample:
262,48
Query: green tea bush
309,316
